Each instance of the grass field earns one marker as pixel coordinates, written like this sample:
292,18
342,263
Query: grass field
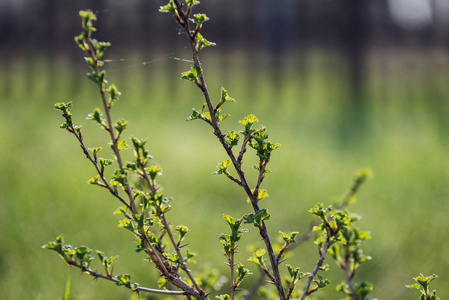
401,134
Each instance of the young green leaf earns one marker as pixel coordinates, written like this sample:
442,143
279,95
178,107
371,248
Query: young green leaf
223,167
120,125
121,145
169,8
183,230
124,280
423,285
199,19
232,138
320,210
105,161
192,74
258,257
262,194
257,218
242,272
154,171
289,238
94,180
201,42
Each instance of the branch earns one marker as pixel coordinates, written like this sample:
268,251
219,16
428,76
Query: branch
261,177
167,229
317,268
90,51
349,275
231,265
105,184
243,149
221,137
181,258
171,275
116,280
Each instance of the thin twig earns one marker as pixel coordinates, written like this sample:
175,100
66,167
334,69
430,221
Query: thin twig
110,128
178,252
233,178
261,177
105,183
115,280
317,268
221,137
172,277
349,275
243,149
231,265
167,229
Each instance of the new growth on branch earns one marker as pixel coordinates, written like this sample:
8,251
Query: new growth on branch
144,207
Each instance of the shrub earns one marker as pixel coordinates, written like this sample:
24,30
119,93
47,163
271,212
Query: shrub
145,207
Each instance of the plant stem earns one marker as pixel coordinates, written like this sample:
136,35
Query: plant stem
115,280
166,225
171,276
231,265
178,252
110,128
317,268
183,20
105,184
349,276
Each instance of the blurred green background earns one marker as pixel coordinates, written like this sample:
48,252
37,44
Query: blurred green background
394,122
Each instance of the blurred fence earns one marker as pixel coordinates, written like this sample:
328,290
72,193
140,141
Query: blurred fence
380,44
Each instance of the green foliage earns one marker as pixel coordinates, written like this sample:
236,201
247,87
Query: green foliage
107,262
192,74
361,289
248,123
242,272
289,238
295,274
423,286
201,43
223,167
232,138
258,258
257,218
144,205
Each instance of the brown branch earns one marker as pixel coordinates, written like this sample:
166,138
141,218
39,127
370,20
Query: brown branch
90,51
349,275
243,149
320,262
221,137
261,177
181,258
231,265
94,161
116,280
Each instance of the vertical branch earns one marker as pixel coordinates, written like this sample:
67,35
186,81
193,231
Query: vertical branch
320,262
183,20
349,274
178,252
110,128
231,266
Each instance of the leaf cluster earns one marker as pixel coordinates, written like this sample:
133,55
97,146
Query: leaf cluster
422,285
144,206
